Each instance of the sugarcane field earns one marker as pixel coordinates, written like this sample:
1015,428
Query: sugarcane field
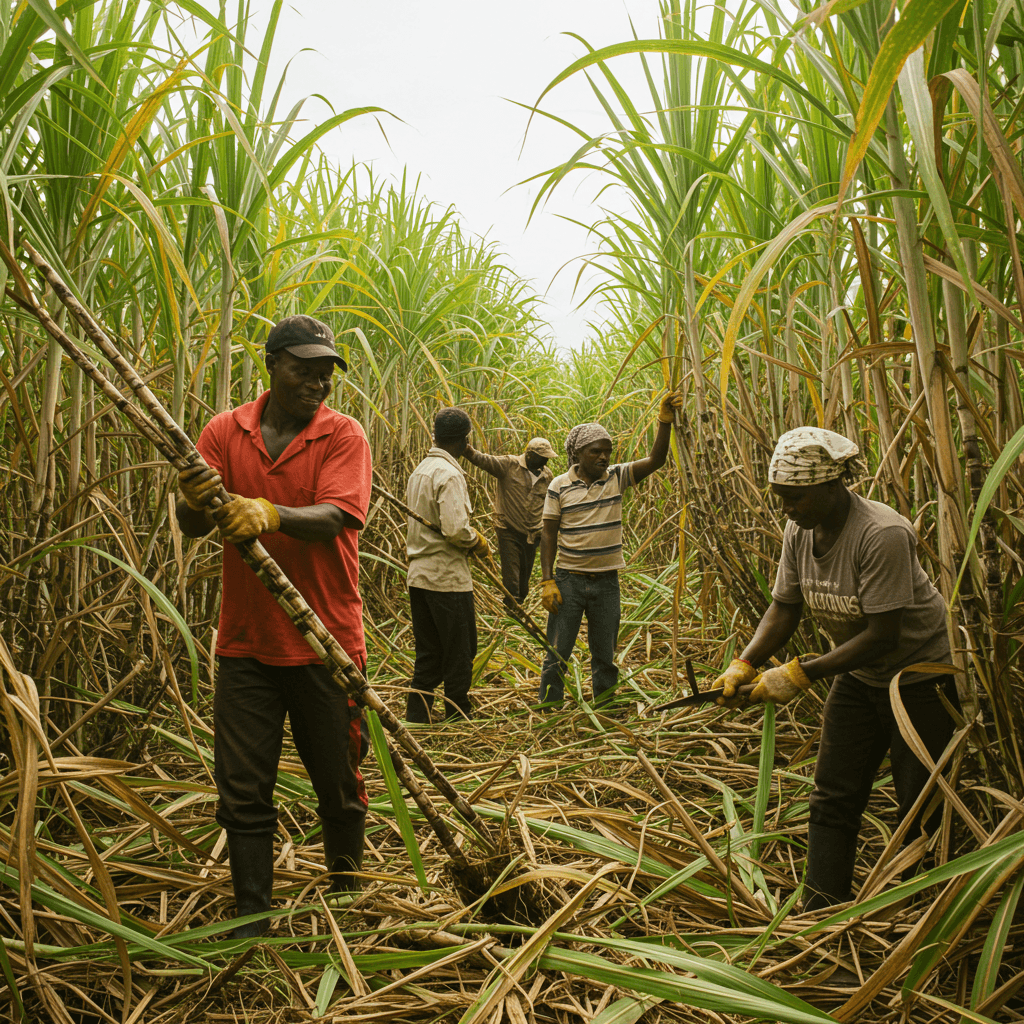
587,587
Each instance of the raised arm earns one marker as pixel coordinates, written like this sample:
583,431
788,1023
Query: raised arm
643,468
496,465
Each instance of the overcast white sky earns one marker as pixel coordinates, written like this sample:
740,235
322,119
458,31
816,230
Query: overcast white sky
448,69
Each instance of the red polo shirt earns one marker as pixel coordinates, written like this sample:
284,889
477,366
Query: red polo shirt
329,461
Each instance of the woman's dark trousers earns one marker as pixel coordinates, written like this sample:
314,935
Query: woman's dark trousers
858,729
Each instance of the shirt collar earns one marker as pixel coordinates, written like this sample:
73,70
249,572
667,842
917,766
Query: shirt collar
441,453
575,478
248,417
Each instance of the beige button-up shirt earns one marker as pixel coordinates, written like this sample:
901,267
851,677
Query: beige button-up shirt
437,491
519,496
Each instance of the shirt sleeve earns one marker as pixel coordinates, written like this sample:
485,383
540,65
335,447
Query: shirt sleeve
345,477
787,579
210,447
625,474
885,570
453,506
496,465
552,506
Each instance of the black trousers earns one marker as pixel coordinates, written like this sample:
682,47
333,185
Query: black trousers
444,628
250,703
517,556
858,729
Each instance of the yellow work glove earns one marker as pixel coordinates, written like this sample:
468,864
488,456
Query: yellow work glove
480,548
198,484
672,401
739,673
780,684
241,519
550,596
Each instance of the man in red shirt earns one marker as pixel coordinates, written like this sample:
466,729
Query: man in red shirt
300,478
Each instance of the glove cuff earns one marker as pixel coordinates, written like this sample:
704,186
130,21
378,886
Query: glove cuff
797,674
273,516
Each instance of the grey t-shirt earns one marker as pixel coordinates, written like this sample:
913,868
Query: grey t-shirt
871,568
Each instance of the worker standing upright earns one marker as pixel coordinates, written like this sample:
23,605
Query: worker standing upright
583,528
299,475
518,505
440,583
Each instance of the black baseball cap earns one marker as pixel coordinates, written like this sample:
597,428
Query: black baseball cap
305,337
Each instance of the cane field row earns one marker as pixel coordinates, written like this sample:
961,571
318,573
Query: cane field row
814,217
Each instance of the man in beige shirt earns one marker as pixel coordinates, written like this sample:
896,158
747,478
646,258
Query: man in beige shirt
518,504
440,584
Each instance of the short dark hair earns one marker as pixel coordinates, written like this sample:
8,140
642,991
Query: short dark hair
451,425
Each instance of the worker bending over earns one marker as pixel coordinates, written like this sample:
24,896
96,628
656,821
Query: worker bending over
854,564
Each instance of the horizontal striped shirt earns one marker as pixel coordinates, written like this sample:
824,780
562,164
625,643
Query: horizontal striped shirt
589,518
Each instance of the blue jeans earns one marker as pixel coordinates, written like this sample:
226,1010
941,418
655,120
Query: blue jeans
597,595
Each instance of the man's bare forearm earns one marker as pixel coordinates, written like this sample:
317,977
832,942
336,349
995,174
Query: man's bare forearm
548,547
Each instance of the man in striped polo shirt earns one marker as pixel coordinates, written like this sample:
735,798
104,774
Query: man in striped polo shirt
583,526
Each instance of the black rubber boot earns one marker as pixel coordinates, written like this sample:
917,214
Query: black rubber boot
831,853
251,859
343,852
418,705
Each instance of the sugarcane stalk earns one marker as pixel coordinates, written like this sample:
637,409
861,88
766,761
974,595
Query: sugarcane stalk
168,437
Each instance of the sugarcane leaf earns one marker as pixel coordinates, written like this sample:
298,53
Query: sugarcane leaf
398,805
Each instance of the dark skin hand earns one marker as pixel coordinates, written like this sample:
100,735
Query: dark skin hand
594,460
298,388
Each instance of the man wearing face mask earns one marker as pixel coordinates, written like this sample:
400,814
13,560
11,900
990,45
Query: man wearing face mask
299,475
583,527
523,482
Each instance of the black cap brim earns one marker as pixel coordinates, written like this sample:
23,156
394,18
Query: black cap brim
313,351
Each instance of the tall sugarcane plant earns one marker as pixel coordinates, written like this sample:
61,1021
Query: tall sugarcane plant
815,222
823,228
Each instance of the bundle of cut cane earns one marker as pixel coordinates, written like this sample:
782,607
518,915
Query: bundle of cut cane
473,880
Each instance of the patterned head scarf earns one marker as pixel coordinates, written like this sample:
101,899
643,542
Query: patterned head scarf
582,435
809,455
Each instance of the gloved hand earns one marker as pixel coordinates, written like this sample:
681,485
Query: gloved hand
550,596
780,684
480,548
197,485
738,674
672,401
242,519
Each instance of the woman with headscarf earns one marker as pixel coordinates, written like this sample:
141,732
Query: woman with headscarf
582,526
853,563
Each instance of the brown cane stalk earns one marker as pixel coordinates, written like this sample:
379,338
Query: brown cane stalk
179,450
